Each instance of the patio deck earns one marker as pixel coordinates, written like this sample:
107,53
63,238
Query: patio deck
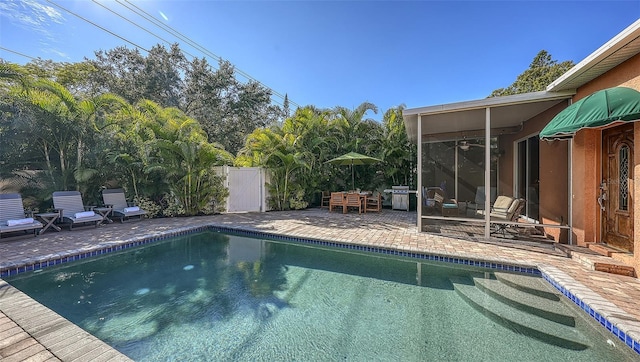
31,331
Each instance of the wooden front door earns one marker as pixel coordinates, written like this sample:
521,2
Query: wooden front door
617,187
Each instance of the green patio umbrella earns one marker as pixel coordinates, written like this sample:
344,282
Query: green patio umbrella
606,106
353,158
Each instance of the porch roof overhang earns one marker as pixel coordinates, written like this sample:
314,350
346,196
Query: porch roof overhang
507,115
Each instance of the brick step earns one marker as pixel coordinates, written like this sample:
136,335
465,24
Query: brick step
614,268
603,249
598,256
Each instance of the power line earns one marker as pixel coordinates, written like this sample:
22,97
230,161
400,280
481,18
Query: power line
158,23
139,26
98,26
189,41
18,53
166,28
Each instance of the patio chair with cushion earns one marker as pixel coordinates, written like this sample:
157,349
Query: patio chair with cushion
13,217
337,200
120,207
72,210
432,198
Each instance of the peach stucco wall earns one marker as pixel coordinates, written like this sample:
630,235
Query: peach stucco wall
636,198
586,177
587,164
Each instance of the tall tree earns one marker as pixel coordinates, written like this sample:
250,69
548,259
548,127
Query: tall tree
227,109
126,72
542,71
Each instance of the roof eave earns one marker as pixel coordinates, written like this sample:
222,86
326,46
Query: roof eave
489,102
578,75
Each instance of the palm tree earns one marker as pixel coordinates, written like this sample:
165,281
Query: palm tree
68,124
185,158
400,154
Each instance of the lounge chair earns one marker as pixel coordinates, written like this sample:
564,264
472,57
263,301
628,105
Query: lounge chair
507,209
13,218
72,210
121,208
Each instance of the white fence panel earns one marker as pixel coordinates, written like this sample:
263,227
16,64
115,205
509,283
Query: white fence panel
246,186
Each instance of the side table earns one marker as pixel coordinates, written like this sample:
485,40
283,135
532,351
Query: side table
104,212
48,218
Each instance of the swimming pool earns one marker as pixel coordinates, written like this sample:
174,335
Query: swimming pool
215,296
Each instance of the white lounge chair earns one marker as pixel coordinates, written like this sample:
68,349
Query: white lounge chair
121,208
13,218
72,210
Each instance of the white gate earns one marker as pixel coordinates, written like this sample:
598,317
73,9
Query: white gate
246,186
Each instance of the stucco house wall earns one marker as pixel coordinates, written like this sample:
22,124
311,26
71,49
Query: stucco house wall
587,164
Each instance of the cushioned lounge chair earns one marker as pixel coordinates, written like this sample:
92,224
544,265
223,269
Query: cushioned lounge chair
13,219
505,208
72,210
121,208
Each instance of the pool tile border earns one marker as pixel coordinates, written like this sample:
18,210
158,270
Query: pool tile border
101,249
585,299
385,251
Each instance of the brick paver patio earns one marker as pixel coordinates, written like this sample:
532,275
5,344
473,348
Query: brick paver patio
31,331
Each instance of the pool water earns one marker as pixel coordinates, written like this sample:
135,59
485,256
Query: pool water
217,297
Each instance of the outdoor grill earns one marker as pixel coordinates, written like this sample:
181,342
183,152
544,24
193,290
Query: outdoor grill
400,197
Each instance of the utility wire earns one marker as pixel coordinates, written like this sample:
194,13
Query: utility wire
18,53
158,23
189,41
164,27
140,27
98,26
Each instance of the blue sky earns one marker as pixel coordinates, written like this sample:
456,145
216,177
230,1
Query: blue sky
334,53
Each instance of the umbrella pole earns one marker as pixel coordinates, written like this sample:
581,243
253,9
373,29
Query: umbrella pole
353,179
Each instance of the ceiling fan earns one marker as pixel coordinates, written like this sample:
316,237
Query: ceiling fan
465,145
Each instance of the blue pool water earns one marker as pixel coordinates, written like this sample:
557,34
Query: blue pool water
217,297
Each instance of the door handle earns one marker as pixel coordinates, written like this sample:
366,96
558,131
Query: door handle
603,195
601,199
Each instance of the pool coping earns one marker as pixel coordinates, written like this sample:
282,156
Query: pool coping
622,325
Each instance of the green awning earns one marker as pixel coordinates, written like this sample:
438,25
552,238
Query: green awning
618,104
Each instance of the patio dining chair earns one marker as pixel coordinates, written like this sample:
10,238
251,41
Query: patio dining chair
336,200
373,202
72,210
354,200
13,217
326,198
